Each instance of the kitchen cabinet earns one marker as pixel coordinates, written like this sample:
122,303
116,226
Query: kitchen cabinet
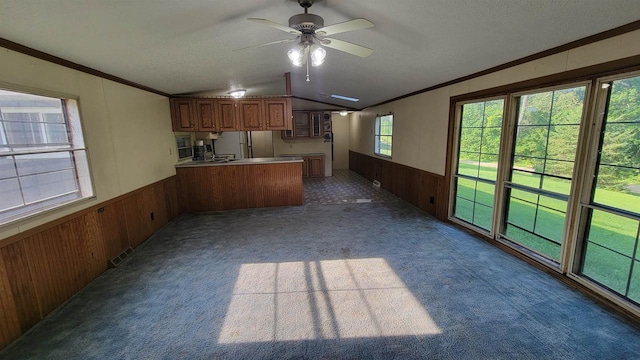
315,125
301,124
239,186
288,134
225,114
278,114
205,115
315,166
312,166
183,114
251,115
307,125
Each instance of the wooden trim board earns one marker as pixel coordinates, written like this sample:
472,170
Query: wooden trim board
43,267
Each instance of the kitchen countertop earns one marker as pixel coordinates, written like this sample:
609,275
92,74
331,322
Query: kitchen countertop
249,161
305,154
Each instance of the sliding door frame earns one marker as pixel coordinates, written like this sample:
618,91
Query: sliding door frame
454,166
583,202
507,164
585,160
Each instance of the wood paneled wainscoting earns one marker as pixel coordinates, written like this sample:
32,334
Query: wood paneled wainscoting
420,188
226,187
43,267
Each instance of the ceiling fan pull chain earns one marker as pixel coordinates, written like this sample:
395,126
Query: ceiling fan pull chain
307,68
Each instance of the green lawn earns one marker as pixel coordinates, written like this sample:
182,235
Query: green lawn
608,230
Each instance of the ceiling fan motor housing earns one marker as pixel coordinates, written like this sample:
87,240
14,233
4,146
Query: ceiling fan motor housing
306,23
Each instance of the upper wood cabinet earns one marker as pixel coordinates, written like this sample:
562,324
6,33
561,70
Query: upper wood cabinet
205,119
315,125
301,123
278,114
227,115
255,114
251,115
308,124
182,111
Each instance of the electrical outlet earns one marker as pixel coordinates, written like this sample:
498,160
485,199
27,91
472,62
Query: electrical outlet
170,151
290,146
152,216
432,200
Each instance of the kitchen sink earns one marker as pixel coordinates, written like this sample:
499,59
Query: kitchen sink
222,160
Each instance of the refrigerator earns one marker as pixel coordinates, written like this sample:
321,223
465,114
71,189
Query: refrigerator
232,143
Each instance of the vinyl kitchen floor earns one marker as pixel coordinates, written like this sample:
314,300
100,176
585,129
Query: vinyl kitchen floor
344,187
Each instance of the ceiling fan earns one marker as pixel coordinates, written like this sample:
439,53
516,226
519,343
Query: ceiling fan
312,36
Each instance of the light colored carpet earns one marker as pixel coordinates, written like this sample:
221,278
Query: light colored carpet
370,280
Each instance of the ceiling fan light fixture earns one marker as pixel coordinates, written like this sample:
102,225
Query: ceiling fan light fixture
343,113
318,54
297,55
237,93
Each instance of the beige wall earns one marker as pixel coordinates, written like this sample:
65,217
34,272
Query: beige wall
340,126
420,121
302,147
127,131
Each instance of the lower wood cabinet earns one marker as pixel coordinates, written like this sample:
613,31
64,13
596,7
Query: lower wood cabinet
313,166
225,187
316,166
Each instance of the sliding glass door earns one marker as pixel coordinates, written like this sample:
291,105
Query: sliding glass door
545,139
474,181
519,180
610,251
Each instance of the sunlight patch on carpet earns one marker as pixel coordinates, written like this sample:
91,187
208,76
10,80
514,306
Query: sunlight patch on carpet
329,299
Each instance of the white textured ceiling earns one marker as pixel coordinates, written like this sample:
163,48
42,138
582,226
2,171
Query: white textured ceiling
187,46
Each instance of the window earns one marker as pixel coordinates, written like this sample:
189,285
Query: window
185,150
43,161
611,246
559,181
537,191
480,127
383,135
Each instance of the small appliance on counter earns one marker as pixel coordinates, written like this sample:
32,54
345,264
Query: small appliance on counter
203,151
199,151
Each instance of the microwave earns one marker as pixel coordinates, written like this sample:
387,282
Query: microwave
185,148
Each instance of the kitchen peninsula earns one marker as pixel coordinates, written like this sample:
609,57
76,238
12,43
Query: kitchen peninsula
240,184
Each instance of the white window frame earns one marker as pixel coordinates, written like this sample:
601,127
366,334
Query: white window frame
377,135
76,148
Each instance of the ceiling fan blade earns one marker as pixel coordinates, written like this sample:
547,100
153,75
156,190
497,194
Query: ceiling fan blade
347,47
355,24
275,25
269,43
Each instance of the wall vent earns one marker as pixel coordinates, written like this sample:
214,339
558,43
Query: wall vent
118,259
